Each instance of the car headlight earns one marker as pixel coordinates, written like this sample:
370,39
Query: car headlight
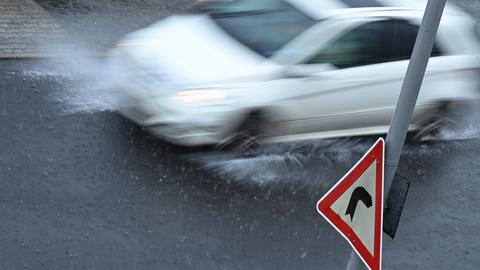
199,97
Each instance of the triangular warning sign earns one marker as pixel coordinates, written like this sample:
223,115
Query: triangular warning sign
354,206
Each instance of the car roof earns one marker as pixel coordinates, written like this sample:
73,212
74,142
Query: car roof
323,9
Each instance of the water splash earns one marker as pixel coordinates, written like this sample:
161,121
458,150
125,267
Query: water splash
312,166
88,85
308,165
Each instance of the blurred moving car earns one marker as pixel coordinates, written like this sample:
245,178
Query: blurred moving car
239,72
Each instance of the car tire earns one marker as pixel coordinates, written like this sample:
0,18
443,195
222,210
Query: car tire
436,127
247,137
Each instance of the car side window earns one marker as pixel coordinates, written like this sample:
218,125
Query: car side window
371,43
403,35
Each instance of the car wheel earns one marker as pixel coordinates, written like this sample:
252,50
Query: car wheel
247,137
438,126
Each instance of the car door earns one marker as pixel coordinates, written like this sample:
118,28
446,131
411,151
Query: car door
353,82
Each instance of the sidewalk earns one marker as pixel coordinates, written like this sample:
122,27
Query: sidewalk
95,26
26,29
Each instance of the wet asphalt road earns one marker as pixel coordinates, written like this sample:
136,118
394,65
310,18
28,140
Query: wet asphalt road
82,188
92,191
89,190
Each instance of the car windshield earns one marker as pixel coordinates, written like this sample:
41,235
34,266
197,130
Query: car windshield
264,26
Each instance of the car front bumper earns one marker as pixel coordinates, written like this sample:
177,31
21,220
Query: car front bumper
188,127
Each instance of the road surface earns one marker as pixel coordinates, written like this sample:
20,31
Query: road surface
83,188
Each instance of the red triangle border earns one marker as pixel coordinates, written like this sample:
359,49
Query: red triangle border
375,154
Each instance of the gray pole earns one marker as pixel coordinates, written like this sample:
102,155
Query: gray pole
407,100
411,87
355,263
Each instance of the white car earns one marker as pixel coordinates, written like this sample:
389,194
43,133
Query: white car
244,71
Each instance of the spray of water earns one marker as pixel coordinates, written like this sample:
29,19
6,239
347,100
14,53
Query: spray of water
301,166
88,81
309,166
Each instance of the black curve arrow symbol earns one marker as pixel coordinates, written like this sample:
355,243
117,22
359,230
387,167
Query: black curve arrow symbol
359,194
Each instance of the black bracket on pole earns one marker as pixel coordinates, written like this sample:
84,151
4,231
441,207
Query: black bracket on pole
394,205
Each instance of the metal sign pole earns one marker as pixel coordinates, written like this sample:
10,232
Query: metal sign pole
407,100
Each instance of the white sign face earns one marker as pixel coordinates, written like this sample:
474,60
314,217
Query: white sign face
354,206
362,219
